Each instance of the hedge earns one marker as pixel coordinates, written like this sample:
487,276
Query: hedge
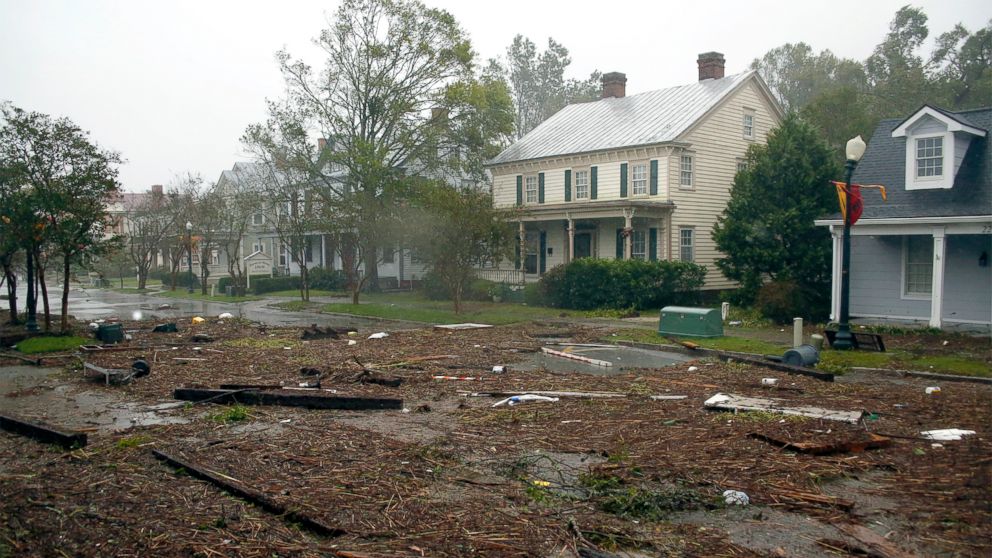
319,279
587,284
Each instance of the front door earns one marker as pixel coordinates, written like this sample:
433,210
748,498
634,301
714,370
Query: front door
583,245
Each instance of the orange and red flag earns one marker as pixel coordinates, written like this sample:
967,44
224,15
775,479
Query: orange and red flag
856,204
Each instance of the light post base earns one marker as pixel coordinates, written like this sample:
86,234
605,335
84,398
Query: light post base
32,325
843,341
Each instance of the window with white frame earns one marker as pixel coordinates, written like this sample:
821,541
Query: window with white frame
687,244
214,257
919,266
685,174
930,157
283,256
741,165
749,126
638,245
531,189
639,178
581,185
258,219
257,247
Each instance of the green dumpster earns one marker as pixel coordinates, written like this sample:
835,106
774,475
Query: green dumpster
683,321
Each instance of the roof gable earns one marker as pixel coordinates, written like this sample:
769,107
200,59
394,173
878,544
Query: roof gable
643,119
952,121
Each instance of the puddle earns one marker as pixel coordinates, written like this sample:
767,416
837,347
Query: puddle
623,359
39,394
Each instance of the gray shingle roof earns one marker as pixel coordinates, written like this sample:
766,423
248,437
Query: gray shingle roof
885,163
642,119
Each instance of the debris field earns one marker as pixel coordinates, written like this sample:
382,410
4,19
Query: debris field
630,463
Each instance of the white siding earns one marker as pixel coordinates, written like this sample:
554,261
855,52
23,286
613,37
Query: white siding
716,144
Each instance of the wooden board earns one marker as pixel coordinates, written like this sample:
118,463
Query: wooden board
254,397
873,441
729,402
42,432
455,327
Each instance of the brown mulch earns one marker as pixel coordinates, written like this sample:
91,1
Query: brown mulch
459,477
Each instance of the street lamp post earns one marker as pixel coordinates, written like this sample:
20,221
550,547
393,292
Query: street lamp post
844,340
189,253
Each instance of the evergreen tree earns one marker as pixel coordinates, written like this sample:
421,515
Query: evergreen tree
767,230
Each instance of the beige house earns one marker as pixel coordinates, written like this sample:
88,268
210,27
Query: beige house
643,176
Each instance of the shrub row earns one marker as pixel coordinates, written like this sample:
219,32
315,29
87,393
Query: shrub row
588,284
324,279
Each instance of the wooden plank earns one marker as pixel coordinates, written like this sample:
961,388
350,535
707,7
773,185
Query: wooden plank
254,496
255,397
456,327
579,394
874,541
580,358
873,441
42,433
729,402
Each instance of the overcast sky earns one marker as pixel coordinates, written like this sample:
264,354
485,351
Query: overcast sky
172,85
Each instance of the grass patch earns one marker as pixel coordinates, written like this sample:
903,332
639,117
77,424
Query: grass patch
414,307
132,442
901,360
51,344
181,293
131,290
313,292
236,413
612,495
725,343
295,305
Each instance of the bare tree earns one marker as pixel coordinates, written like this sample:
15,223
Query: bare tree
208,208
147,224
241,200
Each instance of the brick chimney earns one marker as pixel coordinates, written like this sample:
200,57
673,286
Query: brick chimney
321,144
614,85
710,65
156,190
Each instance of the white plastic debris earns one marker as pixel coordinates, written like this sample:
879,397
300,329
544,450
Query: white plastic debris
693,368
518,399
735,322
932,390
226,316
94,326
380,335
947,434
735,498
499,369
352,342
769,381
945,343
136,315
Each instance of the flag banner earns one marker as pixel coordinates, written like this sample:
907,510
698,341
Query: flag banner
856,202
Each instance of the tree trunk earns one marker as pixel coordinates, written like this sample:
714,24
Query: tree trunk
65,296
8,272
371,256
44,297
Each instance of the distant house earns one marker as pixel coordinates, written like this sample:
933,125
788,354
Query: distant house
643,176
923,255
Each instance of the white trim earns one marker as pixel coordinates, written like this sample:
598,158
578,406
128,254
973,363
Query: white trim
908,220
937,283
952,124
976,322
942,182
886,317
837,264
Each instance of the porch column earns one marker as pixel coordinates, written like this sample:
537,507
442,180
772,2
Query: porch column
571,238
523,248
322,250
628,239
937,284
835,280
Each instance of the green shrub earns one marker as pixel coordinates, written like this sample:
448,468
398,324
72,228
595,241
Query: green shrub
182,278
587,284
477,289
328,279
264,285
533,295
781,301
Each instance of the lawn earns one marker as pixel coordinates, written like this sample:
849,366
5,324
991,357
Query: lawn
416,308
51,344
313,292
181,293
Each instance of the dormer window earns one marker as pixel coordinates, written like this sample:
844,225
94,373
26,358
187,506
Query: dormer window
930,157
936,142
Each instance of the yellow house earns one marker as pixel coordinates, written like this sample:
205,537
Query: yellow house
644,176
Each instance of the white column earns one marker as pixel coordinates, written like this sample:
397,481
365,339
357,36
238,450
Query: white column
937,285
523,248
571,240
838,242
628,239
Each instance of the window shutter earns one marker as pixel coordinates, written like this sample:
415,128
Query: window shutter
623,180
593,171
619,244
652,242
540,187
542,257
654,178
516,256
520,189
568,185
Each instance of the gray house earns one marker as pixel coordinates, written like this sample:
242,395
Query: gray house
923,255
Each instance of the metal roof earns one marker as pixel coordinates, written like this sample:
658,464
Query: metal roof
642,119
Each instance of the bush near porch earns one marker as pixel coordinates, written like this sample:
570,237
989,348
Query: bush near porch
587,284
